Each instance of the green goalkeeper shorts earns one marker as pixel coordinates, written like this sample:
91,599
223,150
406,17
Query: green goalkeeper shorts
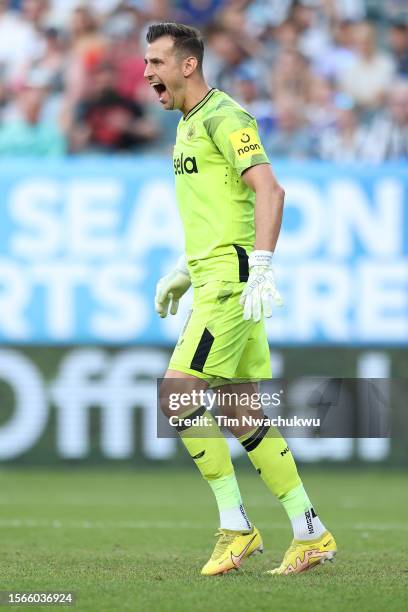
216,342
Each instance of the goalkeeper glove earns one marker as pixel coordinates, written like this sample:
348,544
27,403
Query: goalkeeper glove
171,287
260,290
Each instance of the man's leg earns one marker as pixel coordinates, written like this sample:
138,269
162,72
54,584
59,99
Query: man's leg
209,450
273,460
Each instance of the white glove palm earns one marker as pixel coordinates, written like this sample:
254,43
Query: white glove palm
171,288
260,291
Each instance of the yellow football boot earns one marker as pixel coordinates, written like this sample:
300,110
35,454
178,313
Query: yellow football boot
303,555
231,549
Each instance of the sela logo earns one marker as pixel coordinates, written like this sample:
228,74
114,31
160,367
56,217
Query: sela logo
245,138
185,165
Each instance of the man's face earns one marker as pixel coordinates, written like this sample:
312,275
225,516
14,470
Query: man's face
164,72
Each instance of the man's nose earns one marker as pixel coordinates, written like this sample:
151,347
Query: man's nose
148,72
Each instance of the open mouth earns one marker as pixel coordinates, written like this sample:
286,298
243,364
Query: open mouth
159,89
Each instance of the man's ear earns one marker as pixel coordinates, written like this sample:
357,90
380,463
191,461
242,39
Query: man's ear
189,65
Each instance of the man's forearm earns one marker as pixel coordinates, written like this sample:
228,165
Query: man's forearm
268,217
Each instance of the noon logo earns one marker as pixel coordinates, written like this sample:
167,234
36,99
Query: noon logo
248,146
185,165
245,142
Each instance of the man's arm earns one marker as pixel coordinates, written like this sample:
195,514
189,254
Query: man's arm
260,290
269,197
229,133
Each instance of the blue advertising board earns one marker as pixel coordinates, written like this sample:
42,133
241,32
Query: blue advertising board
84,241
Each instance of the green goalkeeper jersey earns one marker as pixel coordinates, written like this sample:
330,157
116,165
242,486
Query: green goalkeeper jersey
216,142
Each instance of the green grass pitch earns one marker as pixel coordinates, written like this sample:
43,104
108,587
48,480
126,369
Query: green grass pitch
129,540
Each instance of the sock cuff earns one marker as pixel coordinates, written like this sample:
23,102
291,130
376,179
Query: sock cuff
218,483
226,491
190,414
246,435
296,501
252,439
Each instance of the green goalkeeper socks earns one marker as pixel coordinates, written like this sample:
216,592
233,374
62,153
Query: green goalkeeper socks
271,457
229,501
209,449
274,462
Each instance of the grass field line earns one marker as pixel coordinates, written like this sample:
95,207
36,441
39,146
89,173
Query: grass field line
91,524
168,503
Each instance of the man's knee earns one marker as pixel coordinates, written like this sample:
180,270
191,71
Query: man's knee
180,393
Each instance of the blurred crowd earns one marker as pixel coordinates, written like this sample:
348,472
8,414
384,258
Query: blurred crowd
325,79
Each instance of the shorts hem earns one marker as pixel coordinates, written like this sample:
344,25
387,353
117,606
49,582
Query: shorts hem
210,374
203,375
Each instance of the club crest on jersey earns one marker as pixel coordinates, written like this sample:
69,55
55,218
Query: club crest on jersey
191,132
245,142
185,165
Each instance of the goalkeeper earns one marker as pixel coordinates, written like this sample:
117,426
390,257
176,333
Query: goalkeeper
231,209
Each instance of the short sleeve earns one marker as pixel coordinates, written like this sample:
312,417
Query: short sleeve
235,133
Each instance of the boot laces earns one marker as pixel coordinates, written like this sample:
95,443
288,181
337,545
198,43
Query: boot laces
224,540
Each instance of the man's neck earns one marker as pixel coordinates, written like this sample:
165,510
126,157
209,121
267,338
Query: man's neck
194,96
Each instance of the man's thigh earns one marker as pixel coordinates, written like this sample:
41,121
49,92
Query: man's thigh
215,335
255,362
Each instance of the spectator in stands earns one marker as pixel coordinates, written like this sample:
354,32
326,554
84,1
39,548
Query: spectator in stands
320,108
106,121
368,78
266,53
350,10
88,46
34,12
343,141
313,28
224,56
290,75
197,13
395,9
60,11
234,19
286,35
247,92
276,40
20,44
387,137
155,10
340,55
291,136
398,39
262,15
28,134
126,56
52,61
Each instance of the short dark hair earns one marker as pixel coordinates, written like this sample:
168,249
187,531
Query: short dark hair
187,40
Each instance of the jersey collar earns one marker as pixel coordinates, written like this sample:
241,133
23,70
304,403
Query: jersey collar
200,104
